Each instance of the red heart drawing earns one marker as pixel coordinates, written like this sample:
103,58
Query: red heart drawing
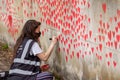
115,18
115,44
78,55
82,56
42,33
99,37
110,55
116,29
108,26
118,24
88,5
90,33
89,20
106,55
118,37
108,43
10,20
108,63
100,47
104,7
66,58
118,13
109,35
67,50
100,57
100,22
92,49
114,63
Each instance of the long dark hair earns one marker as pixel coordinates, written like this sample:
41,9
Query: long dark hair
27,31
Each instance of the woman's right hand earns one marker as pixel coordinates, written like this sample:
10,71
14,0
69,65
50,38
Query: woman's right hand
54,40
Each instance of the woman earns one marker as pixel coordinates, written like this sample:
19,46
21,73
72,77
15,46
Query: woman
28,54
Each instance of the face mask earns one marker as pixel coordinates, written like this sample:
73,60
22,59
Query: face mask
38,34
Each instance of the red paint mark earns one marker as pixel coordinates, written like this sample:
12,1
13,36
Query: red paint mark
92,50
100,22
71,56
109,35
108,26
78,9
100,47
100,57
97,48
85,53
118,24
42,33
102,31
84,2
114,63
67,51
69,46
111,43
110,20
59,36
110,55
116,29
108,63
85,36
78,36
10,20
89,20
71,41
78,55
118,13
83,56
103,38
115,44
108,43
27,15
59,49
74,46
88,5
90,33
62,30
106,55
113,33
34,14
67,32
96,55
118,37
99,37
87,45
48,21
73,35
66,59
104,7
115,18
25,11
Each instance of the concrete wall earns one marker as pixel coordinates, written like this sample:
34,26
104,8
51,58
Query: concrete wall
88,32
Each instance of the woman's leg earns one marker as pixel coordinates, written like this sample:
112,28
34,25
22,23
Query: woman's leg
44,76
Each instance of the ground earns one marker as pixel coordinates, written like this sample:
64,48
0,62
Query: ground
5,56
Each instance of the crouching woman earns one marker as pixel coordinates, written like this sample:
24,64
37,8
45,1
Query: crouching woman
28,54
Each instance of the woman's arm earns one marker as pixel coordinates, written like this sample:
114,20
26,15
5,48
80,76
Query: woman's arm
45,55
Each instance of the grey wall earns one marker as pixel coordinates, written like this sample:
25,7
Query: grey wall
88,31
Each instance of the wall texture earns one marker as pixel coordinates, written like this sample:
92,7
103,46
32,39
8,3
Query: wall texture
88,32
